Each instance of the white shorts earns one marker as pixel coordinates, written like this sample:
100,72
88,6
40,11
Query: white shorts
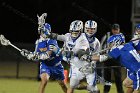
76,74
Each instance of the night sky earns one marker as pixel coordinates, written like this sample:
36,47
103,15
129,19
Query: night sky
19,22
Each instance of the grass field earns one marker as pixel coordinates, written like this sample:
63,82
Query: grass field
10,85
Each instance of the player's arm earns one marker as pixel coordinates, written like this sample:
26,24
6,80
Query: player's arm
100,58
52,49
83,49
43,56
97,47
97,58
57,36
31,55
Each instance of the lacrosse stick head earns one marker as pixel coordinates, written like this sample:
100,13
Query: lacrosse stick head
41,21
4,41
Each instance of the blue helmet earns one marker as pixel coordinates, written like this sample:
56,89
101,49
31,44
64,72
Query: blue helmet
45,29
138,26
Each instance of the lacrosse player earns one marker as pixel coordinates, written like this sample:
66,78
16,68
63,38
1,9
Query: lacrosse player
50,60
77,43
131,80
119,39
90,28
127,55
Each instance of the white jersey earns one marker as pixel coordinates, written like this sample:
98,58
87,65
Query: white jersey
94,47
74,45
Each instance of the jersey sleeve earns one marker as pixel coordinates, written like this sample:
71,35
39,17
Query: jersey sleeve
97,46
51,44
84,44
114,53
110,40
61,37
122,38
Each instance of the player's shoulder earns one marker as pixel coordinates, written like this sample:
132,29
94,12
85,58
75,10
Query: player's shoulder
37,41
83,35
67,34
40,39
97,40
52,41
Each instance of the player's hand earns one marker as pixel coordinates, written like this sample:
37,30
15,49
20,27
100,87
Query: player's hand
31,56
68,54
54,48
24,52
43,56
86,58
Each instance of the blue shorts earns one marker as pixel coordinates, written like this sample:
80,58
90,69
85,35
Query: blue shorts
55,72
135,77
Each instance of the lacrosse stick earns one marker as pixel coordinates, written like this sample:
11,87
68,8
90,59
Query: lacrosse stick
6,42
103,81
41,19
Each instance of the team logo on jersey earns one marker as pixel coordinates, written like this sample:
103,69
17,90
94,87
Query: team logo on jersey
43,49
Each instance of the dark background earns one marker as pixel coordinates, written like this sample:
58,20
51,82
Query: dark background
18,21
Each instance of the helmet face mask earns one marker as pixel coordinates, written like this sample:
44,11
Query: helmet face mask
90,28
75,34
45,30
90,31
76,28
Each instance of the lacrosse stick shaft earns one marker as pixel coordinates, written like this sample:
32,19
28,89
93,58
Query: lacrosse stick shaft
15,47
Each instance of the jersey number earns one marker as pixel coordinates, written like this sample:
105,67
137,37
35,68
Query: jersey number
135,55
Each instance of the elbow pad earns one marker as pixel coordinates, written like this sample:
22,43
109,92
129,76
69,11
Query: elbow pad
53,36
81,52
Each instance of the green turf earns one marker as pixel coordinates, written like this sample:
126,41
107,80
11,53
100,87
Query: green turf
31,86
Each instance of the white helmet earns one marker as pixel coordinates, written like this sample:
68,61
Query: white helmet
76,28
90,24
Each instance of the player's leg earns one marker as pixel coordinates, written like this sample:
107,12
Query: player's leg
44,75
128,83
136,82
75,77
91,81
43,83
81,86
73,84
63,85
118,80
107,76
58,73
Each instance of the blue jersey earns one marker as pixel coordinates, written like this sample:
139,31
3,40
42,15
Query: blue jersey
136,44
127,56
118,39
44,46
